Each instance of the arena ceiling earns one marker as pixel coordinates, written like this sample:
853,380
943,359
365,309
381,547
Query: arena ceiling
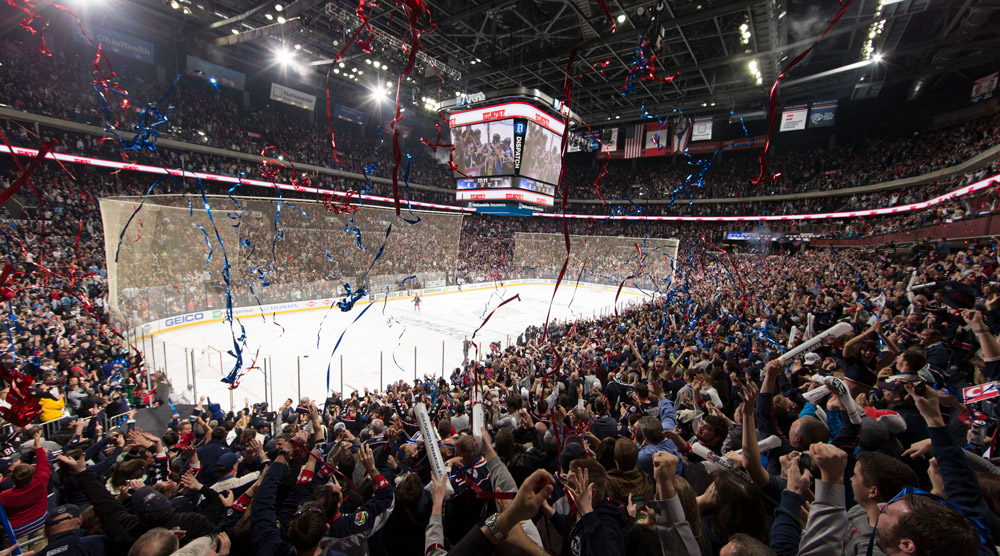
486,45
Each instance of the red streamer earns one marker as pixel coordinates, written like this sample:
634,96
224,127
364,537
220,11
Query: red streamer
24,408
489,316
765,176
14,187
642,259
414,10
364,25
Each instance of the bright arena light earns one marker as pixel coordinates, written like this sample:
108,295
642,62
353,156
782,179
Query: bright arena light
284,56
877,57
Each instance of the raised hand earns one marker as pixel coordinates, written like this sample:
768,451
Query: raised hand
72,465
800,482
533,492
189,481
918,449
831,460
368,460
222,546
632,508
928,403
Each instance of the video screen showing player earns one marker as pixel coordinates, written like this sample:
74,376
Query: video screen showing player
542,160
485,149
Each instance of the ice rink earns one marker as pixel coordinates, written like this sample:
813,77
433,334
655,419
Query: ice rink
386,344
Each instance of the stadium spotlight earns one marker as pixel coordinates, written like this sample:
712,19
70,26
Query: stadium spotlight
175,5
278,7
384,67
877,58
621,18
378,93
269,17
281,20
284,56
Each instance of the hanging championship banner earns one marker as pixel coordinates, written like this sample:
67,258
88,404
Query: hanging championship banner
609,140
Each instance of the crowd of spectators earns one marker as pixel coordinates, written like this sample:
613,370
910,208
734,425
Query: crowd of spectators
673,427
635,433
61,86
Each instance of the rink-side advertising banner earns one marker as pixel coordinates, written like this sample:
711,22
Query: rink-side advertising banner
985,87
225,76
291,96
794,118
609,140
701,129
822,113
117,42
351,115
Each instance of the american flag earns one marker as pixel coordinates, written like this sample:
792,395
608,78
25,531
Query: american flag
634,140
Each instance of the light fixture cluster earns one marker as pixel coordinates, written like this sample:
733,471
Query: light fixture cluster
745,33
755,72
430,104
181,5
376,64
342,71
874,31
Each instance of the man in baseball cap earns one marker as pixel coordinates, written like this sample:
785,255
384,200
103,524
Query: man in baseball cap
65,537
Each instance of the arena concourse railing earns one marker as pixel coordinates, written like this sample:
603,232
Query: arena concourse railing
983,226
341,195
49,428
971,165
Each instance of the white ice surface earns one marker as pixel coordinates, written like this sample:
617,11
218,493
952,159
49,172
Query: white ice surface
381,347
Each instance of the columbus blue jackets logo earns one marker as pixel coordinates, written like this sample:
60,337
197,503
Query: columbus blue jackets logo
361,517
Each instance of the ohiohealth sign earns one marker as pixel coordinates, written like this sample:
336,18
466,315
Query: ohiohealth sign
119,43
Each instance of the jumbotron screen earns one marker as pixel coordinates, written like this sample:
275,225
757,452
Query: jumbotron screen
507,152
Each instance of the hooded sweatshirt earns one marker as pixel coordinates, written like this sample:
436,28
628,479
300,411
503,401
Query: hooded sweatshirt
622,483
598,533
858,532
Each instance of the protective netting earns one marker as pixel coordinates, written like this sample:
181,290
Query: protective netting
169,260
602,259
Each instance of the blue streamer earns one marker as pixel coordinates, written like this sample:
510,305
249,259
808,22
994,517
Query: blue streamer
150,120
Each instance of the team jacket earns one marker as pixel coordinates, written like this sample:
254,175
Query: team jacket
349,532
